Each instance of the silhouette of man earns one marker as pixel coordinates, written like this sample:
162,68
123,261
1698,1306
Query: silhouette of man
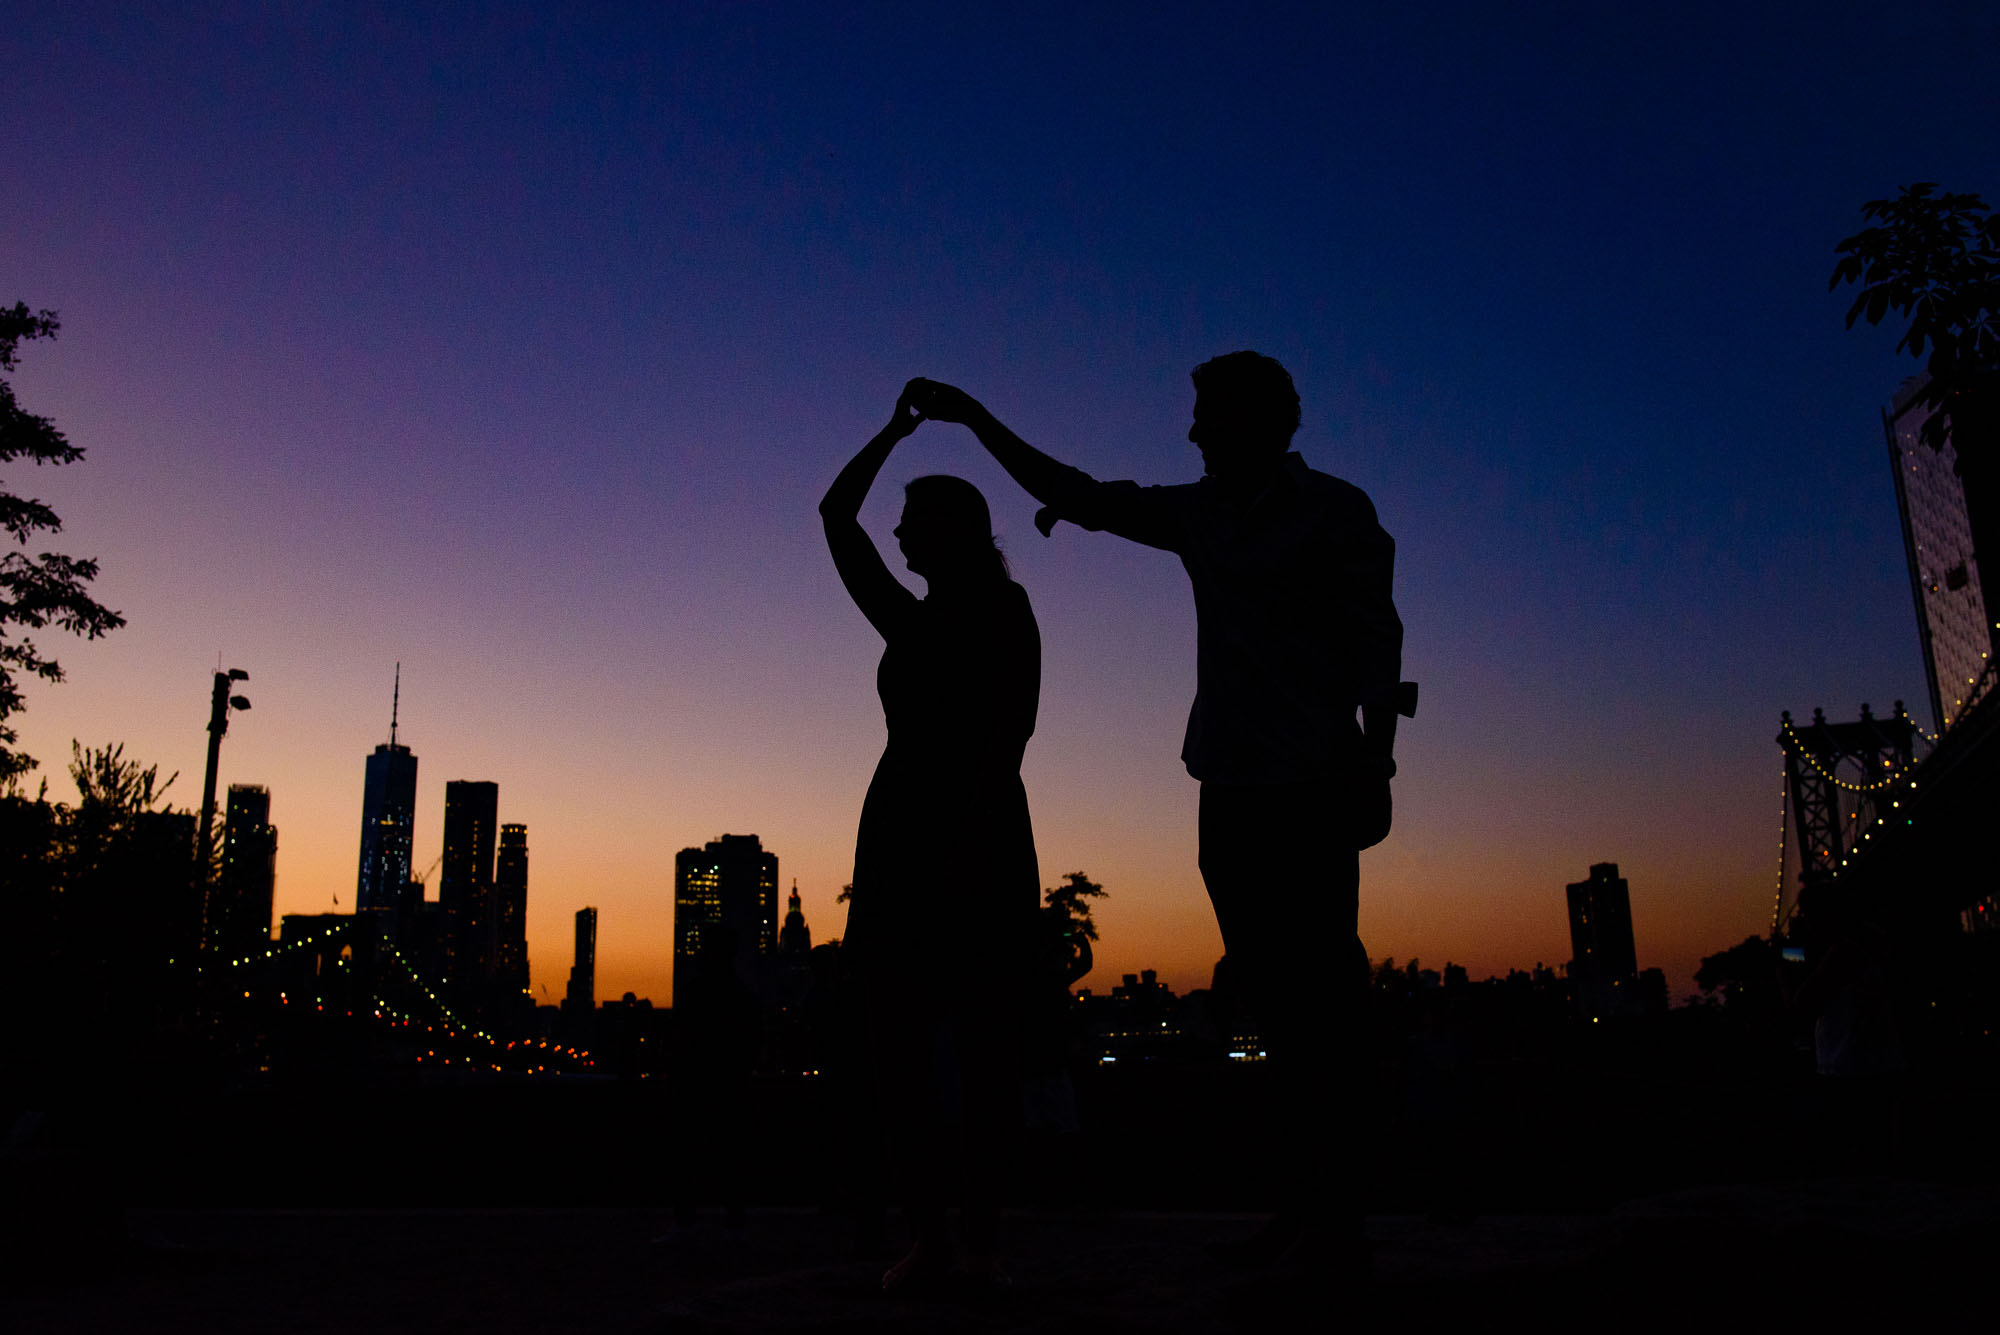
1296,632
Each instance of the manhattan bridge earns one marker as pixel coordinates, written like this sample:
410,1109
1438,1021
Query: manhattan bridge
1901,816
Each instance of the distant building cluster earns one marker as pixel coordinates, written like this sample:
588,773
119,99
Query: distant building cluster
473,936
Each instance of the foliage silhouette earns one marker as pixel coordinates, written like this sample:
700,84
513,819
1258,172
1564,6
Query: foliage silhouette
105,780
1067,930
1935,260
101,903
1069,902
1745,974
112,793
48,589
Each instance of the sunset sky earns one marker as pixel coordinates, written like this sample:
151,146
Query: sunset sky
519,347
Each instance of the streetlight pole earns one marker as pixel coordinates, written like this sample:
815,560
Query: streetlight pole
219,705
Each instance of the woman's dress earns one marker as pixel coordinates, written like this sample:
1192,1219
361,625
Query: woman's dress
946,884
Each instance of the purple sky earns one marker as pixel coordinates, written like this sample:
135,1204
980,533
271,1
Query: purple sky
520,348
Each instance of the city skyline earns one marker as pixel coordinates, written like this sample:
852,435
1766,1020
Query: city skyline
520,352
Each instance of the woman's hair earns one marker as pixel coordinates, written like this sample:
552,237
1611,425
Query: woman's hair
963,516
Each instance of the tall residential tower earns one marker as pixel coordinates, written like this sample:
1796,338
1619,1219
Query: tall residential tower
1952,622
465,880
1605,967
239,907
510,906
581,998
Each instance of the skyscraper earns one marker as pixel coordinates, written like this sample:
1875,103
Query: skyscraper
730,884
581,999
1605,963
1953,623
465,884
388,819
795,940
510,903
239,905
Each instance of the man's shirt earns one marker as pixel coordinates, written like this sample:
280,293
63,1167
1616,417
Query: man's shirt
1296,626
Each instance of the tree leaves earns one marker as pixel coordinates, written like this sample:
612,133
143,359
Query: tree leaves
48,589
104,778
1068,901
18,323
1935,260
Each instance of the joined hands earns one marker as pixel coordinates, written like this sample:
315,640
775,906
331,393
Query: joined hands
933,400
944,403
930,400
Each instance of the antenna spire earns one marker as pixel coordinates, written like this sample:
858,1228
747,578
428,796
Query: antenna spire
395,703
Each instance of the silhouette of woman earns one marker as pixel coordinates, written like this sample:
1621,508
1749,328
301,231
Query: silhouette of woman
946,885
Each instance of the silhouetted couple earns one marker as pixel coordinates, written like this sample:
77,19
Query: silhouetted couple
1296,634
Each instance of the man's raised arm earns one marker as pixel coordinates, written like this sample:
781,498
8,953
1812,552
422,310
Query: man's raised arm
1064,490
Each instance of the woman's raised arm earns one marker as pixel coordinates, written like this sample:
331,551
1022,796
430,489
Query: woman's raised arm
879,595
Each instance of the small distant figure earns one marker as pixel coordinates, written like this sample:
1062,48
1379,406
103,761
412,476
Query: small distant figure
1296,633
946,885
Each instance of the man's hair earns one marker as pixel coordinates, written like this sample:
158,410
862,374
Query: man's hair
1255,390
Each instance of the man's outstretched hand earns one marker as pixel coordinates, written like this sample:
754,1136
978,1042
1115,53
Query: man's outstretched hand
1035,471
942,402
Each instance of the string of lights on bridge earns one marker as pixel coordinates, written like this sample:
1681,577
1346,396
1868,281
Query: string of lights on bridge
452,1019
279,951
1793,742
1784,825
453,1026
1972,696
425,988
384,1009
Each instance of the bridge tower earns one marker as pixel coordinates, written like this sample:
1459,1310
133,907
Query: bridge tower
1841,778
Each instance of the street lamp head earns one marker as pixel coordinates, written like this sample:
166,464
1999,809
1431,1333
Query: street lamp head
238,674
239,702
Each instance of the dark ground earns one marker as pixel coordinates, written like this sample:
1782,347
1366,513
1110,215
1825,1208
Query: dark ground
1717,1257
1641,1186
